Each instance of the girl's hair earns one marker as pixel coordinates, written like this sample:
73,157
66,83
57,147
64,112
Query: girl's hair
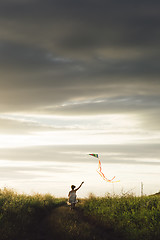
73,186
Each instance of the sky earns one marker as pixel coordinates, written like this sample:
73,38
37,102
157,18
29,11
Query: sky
79,77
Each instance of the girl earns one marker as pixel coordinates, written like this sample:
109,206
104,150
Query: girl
72,196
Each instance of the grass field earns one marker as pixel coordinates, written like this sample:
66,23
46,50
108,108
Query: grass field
43,217
22,215
131,217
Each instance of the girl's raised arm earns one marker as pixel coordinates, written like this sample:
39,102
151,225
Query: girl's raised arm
79,186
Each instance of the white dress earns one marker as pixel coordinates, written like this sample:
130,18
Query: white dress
72,197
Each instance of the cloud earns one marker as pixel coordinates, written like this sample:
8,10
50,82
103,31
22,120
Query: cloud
24,126
55,52
82,29
125,104
83,25
78,72
143,154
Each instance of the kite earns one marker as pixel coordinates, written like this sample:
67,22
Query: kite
94,155
99,170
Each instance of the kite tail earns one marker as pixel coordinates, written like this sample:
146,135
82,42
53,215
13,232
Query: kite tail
99,170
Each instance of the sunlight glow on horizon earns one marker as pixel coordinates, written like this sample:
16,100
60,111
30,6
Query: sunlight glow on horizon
66,164
111,129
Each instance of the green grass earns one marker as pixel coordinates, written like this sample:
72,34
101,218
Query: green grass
132,217
45,217
21,215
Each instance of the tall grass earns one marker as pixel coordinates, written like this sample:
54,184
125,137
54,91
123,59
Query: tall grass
21,214
133,217
31,217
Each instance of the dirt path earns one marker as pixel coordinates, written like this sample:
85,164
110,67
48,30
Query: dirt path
72,225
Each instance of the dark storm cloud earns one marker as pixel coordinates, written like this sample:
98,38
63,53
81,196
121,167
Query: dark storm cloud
53,52
82,25
87,24
38,64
